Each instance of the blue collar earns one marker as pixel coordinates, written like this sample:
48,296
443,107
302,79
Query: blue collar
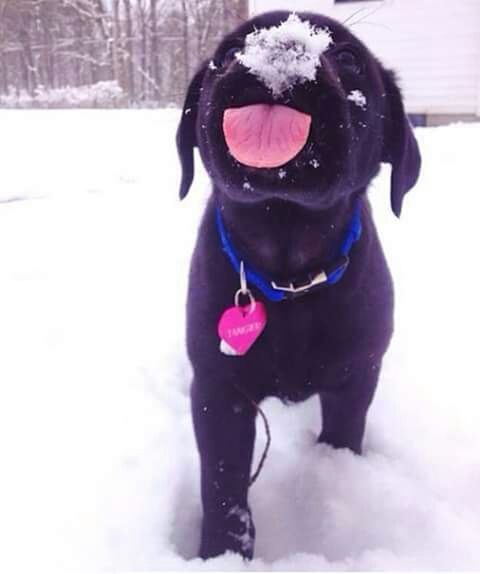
331,274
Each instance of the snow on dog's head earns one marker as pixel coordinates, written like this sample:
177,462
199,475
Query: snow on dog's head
284,55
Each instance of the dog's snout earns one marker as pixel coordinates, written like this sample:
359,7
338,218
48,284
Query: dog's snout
327,74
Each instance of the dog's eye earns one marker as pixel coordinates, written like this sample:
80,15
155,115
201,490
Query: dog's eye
229,56
348,60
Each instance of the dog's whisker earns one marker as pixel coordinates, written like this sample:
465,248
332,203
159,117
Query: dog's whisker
371,13
236,14
376,24
360,10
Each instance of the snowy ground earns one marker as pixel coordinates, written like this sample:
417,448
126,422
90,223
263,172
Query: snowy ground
99,467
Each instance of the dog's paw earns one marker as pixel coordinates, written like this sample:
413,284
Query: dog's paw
234,533
339,441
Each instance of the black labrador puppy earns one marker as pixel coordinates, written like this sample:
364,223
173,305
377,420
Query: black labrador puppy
290,294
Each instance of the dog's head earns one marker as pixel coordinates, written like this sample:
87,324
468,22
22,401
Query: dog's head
293,106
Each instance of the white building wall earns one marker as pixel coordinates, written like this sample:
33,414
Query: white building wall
434,45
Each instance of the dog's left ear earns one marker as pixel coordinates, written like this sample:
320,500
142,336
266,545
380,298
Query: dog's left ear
400,148
186,132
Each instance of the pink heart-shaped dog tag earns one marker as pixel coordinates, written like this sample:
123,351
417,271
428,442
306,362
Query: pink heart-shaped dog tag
240,327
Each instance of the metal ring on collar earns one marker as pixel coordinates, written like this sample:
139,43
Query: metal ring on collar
248,293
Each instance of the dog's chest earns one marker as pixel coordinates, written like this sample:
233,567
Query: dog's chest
285,246
303,350
294,254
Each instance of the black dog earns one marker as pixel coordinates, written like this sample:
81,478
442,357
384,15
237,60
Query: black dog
305,235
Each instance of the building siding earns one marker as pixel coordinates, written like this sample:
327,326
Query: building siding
433,45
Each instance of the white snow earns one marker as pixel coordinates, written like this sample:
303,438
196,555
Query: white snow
245,539
284,55
101,95
99,465
358,98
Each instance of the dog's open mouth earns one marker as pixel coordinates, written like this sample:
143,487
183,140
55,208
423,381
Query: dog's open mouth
265,136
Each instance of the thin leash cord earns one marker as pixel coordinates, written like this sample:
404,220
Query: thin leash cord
256,474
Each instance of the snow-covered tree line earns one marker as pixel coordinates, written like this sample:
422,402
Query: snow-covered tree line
106,53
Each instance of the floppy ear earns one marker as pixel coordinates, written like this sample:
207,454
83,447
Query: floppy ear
186,132
400,147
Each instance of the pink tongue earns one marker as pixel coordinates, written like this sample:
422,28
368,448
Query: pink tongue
265,136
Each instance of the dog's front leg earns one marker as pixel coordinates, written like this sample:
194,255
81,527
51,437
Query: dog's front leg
224,423
344,411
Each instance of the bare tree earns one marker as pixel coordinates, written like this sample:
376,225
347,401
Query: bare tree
129,47
142,18
186,50
150,48
154,45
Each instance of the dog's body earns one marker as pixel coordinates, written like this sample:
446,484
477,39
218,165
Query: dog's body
331,340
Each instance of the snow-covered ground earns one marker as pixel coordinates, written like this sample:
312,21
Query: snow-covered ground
98,463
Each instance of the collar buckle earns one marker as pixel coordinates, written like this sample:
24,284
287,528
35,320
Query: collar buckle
318,279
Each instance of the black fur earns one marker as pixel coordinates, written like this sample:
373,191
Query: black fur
330,342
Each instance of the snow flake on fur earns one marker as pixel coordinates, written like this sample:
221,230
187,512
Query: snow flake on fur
357,97
284,55
245,538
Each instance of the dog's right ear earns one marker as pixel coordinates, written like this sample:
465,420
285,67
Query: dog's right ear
186,132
